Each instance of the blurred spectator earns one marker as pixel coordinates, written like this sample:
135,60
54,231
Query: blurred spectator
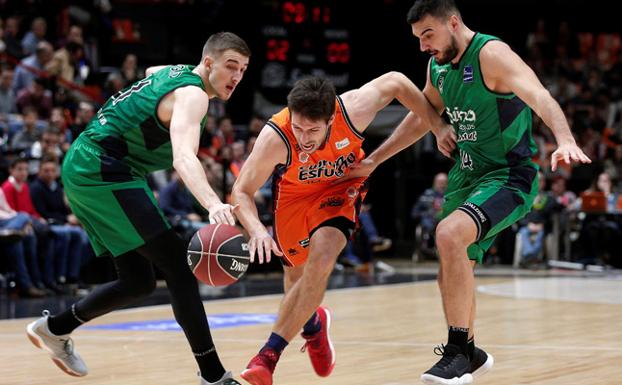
178,205
29,134
68,63
226,131
613,164
84,114
21,251
7,95
600,233
24,74
537,224
114,84
36,34
238,152
129,70
219,180
73,35
48,146
36,96
366,241
48,198
13,46
563,197
427,212
17,193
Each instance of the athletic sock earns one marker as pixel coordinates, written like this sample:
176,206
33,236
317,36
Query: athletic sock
209,364
65,322
458,336
276,342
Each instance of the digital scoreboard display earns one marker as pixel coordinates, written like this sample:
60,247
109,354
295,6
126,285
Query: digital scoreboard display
300,38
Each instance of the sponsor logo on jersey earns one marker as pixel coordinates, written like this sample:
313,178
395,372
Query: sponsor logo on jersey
291,251
441,81
332,202
467,75
175,71
462,121
326,169
342,144
304,242
351,192
469,136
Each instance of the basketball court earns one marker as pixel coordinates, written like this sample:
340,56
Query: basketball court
543,328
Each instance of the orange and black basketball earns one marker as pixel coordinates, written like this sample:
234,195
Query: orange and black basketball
218,254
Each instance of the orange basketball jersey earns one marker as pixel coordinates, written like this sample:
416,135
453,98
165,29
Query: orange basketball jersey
306,174
307,191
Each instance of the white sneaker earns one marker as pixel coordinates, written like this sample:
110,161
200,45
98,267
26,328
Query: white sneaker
60,348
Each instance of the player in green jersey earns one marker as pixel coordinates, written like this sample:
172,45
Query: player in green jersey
152,125
487,93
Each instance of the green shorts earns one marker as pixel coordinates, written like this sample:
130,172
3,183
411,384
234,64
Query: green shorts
117,210
494,202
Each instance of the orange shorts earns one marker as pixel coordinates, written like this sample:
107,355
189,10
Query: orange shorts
296,219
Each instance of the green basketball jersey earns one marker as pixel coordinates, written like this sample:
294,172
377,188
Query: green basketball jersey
493,129
127,127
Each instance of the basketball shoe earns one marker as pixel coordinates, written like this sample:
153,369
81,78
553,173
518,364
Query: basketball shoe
320,347
60,348
453,369
481,363
261,367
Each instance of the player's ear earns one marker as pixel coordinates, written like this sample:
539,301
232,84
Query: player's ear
208,61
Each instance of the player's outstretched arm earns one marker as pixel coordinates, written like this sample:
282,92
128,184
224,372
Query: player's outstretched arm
268,152
188,110
363,104
504,70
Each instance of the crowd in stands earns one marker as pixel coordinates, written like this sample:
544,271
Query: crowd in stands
45,103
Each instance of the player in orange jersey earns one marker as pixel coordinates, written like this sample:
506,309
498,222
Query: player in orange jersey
309,146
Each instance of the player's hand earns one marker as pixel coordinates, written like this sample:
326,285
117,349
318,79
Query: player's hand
362,169
263,245
568,153
222,213
446,139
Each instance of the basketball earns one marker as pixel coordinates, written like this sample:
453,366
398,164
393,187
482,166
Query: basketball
218,254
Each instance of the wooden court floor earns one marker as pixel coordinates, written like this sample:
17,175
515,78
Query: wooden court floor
384,335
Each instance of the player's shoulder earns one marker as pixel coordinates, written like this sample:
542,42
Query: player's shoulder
494,49
281,118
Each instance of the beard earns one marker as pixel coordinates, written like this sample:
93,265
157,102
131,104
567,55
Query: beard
449,53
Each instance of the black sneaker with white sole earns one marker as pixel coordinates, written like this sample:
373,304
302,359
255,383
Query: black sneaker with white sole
453,369
481,362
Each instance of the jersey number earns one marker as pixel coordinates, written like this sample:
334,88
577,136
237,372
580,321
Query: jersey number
466,163
122,95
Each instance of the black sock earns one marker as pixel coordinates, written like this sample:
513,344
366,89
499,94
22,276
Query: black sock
65,322
209,364
458,336
276,342
471,347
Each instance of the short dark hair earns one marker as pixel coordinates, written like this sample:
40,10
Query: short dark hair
222,41
313,98
17,161
436,8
